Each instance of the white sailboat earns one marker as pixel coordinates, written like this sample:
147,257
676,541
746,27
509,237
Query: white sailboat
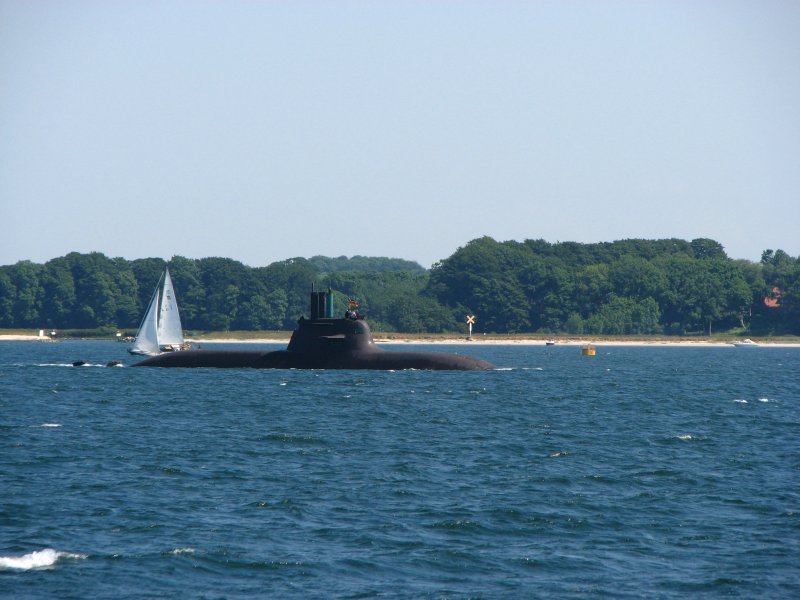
161,329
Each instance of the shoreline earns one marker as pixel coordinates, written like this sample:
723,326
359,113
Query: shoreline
475,341
522,342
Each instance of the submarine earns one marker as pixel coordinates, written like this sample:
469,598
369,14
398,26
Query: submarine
322,342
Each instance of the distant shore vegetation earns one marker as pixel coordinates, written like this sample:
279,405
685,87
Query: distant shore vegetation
666,287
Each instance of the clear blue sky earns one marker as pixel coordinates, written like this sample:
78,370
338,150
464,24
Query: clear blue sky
264,130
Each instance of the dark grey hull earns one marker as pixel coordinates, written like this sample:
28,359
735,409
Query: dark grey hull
285,359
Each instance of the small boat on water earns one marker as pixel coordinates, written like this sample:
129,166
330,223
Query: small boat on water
746,343
588,350
161,330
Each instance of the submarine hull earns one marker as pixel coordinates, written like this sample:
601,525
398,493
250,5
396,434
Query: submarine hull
321,342
285,359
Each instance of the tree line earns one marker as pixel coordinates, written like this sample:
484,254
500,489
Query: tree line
668,286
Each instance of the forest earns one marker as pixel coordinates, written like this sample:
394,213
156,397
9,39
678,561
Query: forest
626,287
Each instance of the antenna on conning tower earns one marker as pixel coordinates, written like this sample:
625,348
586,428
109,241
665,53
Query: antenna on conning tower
321,304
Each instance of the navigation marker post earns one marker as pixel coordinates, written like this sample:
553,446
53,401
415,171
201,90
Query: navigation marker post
470,322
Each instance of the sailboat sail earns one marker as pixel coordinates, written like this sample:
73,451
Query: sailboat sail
161,327
170,332
147,337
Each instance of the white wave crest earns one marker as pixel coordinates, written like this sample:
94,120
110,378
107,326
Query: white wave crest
686,436
763,399
36,560
186,550
79,364
50,425
740,401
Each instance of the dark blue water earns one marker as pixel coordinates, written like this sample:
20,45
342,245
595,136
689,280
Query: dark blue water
642,472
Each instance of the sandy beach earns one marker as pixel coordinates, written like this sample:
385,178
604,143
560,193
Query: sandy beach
480,341
24,338
399,339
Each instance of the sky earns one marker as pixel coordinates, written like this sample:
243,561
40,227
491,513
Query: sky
264,130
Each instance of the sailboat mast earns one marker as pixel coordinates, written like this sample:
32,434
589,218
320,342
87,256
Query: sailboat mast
147,336
170,330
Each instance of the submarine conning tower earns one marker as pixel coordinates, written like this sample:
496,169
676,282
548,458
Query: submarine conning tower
321,304
323,333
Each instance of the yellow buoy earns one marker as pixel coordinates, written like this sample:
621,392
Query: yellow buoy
588,350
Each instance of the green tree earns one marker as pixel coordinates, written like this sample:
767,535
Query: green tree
223,280
629,285
126,292
294,276
365,264
8,296
625,316
482,277
593,287
702,292
782,271
26,280
96,289
706,249
574,324
275,310
59,300
637,277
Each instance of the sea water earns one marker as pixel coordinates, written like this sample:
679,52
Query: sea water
656,472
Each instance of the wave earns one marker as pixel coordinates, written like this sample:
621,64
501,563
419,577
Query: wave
78,363
691,437
81,363
291,438
36,560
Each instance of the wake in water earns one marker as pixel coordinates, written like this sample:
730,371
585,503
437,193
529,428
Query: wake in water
81,363
42,559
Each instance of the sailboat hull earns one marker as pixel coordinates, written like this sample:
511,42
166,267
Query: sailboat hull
141,352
